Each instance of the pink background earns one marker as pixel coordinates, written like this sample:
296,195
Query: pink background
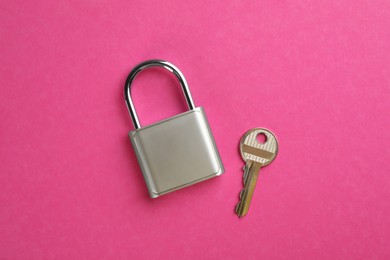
317,73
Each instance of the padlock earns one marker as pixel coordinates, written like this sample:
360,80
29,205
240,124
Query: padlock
176,152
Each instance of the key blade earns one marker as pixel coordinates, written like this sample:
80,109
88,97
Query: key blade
251,173
245,169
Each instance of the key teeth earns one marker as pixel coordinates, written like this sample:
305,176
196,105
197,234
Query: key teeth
241,192
244,179
245,175
236,210
237,207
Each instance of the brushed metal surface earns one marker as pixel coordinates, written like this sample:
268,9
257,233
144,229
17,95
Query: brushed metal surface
176,152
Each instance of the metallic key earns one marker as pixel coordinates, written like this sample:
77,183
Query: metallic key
256,155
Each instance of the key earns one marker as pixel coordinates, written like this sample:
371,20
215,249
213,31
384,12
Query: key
256,155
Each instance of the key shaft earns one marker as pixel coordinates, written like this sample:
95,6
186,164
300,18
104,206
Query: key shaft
251,175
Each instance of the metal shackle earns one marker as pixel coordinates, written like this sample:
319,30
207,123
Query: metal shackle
154,63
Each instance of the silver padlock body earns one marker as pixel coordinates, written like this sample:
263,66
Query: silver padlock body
176,152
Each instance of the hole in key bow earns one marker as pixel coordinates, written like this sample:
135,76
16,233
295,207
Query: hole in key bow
261,138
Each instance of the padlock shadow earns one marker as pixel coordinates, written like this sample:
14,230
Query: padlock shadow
137,184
